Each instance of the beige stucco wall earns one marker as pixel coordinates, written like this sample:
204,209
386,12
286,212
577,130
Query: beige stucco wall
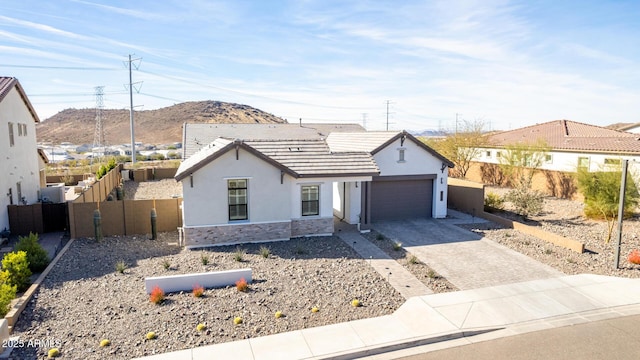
417,162
19,163
206,202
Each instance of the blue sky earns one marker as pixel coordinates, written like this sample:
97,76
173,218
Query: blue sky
509,63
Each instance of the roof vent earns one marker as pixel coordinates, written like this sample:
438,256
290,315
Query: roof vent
295,149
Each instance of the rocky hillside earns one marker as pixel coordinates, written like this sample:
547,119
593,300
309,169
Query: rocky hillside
159,126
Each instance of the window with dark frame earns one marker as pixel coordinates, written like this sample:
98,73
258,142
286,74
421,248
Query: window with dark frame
237,190
310,200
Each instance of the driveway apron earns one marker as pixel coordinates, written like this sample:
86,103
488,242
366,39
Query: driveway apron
466,259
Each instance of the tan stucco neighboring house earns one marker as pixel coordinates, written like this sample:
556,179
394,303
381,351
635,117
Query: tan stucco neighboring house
21,164
266,182
572,145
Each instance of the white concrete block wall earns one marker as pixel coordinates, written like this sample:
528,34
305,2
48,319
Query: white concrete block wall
186,282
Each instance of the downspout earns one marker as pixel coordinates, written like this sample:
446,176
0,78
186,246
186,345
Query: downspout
344,200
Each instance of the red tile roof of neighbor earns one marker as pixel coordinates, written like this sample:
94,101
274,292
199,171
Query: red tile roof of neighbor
571,136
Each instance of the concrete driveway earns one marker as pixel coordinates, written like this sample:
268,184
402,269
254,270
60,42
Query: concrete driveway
466,259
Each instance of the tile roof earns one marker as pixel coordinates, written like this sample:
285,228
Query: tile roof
367,141
313,158
571,136
374,141
298,158
196,136
6,84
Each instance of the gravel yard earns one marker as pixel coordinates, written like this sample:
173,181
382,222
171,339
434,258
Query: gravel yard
565,217
160,189
84,299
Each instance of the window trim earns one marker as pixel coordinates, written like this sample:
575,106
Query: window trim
402,155
303,201
238,205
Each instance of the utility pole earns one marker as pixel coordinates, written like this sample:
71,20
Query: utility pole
623,188
133,138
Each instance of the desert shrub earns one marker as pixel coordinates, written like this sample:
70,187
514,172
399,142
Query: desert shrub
204,258
157,156
121,266
634,257
238,255
7,293
526,201
397,246
105,342
151,335
265,252
198,290
356,303
493,201
157,295
17,267
242,285
166,264
413,260
201,327
237,320
53,353
36,254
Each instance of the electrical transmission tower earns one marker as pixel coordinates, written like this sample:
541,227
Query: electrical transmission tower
98,136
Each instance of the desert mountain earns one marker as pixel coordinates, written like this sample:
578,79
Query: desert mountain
159,126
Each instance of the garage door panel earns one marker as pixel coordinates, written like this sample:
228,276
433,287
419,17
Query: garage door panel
402,199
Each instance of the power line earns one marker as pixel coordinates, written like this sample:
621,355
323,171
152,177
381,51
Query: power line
59,67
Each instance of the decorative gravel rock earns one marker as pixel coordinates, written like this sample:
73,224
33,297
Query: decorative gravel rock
566,218
84,299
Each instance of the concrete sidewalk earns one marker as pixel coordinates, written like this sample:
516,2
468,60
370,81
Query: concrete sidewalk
445,320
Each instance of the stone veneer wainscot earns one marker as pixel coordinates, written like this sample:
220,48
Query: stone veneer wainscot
236,233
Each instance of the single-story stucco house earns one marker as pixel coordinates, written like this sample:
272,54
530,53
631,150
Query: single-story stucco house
266,182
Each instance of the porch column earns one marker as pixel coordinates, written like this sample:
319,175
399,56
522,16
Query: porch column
365,205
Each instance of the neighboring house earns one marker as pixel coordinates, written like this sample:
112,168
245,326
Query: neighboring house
632,128
20,161
265,182
572,145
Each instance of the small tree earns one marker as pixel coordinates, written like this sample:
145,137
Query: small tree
601,191
461,146
519,163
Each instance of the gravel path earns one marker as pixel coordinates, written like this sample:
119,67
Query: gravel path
84,300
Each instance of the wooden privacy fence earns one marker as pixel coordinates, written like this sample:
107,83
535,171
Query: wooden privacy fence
149,174
126,217
468,196
99,191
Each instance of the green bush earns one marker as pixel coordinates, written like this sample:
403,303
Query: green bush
36,254
493,201
102,171
7,293
111,164
16,264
